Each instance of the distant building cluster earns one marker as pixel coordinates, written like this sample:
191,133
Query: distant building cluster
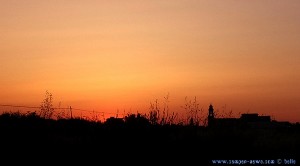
249,120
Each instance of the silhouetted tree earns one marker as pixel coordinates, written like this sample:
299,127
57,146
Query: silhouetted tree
136,120
114,122
46,107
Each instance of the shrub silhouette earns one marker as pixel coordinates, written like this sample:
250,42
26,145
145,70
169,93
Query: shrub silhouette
114,122
136,120
46,107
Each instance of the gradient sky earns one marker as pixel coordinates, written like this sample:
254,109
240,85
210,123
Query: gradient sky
109,55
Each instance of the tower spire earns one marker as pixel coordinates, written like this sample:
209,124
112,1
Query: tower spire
211,115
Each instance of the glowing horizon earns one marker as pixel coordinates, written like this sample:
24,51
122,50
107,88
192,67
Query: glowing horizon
122,55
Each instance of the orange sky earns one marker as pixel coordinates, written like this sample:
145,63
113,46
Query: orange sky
108,55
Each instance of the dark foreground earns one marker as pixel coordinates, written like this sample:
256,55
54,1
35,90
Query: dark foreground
81,142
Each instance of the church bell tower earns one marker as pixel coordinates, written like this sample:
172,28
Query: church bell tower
211,115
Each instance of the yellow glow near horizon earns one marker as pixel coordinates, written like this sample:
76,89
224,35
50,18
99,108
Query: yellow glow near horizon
109,55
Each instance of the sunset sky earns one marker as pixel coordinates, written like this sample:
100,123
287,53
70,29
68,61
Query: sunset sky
109,55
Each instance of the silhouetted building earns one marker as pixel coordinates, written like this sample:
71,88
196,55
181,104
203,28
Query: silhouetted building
211,115
252,120
255,118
